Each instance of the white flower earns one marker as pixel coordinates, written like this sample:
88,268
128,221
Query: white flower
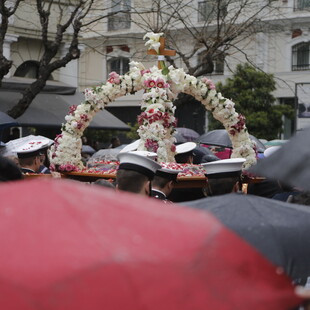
153,42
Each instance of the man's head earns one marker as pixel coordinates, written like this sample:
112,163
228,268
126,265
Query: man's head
30,154
165,179
135,173
223,176
9,171
184,153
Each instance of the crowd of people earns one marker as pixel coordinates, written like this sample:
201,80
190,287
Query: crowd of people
139,173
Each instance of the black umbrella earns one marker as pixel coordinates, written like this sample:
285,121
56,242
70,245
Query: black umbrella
187,133
203,155
179,138
280,231
220,137
6,121
290,163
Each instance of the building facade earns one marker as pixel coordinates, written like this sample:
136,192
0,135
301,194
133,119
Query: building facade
280,47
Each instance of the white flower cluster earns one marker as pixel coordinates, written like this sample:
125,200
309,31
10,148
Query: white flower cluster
222,109
157,117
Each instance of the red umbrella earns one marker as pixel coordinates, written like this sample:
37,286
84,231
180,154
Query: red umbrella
67,245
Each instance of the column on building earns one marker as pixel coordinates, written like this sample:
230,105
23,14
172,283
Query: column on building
8,40
70,73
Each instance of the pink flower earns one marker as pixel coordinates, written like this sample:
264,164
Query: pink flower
142,72
209,83
79,125
57,138
238,126
160,83
114,78
151,145
173,148
68,167
72,109
150,83
84,117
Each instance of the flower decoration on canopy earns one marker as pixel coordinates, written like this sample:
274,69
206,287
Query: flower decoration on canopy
157,119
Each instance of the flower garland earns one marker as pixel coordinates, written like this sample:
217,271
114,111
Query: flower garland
157,119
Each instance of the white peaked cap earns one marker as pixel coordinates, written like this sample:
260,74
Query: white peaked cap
185,147
170,174
225,167
131,147
135,162
147,154
270,150
32,148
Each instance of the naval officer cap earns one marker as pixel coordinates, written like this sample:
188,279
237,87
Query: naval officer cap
185,147
138,163
224,168
169,174
150,155
32,148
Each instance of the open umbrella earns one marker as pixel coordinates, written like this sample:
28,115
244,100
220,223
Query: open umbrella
290,163
280,231
220,137
76,246
179,138
7,121
187,133
88,149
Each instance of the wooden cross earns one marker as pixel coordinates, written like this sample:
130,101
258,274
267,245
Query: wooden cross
161,51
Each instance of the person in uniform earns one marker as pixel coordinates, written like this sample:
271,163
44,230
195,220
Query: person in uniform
184,153
135,173
29,155
223,176
163,183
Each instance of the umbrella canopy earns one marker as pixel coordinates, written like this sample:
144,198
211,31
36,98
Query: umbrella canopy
179,138
280,231
76,246
88,149
202,155
220,137
6,121
290,163
50,109
187,133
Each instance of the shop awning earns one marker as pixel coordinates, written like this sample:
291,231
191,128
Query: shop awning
49,109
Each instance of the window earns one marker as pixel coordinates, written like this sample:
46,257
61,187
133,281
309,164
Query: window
121,18
218,63
302,5
29,69
119,65
300,56
209,9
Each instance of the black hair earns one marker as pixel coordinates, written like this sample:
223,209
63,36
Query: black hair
130,181
9,171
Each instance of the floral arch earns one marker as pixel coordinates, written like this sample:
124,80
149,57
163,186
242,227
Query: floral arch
157,120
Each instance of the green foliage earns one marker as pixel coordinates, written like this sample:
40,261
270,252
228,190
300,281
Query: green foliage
251,91
133,134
